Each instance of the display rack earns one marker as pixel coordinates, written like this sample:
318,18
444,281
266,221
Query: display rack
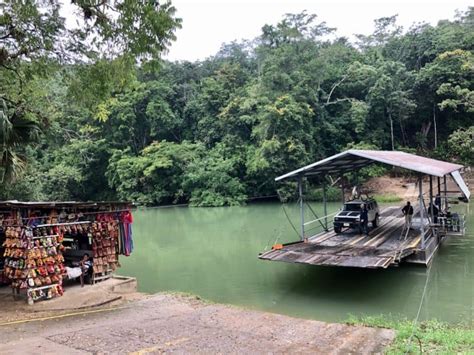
33,262
105,248
39,236
3,278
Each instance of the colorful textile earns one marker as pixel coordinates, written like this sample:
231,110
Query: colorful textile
126,233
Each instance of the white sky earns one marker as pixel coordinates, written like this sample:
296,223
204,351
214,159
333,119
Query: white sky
208,24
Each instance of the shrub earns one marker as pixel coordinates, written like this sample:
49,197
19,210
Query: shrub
316,194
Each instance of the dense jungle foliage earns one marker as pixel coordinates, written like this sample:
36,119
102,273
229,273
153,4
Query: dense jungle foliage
106,119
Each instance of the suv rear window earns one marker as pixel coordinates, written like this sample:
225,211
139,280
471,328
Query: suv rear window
352,207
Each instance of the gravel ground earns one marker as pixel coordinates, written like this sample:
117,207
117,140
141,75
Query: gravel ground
184,324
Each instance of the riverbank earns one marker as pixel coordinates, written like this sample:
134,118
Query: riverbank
175,322
432,337
394,189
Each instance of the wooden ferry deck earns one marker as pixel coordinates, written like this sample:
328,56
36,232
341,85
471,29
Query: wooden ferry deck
383,247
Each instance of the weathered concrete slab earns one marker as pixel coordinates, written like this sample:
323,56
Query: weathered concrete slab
170,323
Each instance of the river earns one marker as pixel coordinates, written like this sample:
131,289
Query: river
212,252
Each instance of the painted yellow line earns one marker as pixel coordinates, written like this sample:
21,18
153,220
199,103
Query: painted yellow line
61,316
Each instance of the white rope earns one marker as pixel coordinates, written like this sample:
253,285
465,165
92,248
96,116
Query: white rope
289,220
269,239
278,237
415,321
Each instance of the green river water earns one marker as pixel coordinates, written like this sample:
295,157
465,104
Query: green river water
212,252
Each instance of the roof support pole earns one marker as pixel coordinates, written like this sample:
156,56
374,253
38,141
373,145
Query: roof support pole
300,192
342,190
325,203
431,204
439,188
422,214
445,199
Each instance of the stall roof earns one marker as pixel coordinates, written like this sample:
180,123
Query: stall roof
59,204
352,159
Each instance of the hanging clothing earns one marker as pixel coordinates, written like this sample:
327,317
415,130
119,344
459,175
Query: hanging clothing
127,220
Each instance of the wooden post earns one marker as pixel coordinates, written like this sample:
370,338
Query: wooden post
325,207
300,191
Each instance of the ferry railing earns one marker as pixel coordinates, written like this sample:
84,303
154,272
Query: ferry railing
320,219
453,225
323,221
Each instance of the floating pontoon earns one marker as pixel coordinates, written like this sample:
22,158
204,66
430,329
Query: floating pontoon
391,242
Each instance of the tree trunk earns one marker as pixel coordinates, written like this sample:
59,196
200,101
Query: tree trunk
404,135
434,127
391,129
425,128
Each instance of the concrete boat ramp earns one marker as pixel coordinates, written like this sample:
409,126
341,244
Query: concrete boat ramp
166,323
386,245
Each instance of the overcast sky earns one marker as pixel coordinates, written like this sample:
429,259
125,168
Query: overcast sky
208,24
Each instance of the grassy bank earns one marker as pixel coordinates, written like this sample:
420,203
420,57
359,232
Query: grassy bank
428,337
387,198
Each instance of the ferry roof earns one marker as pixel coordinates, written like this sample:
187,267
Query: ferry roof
353,159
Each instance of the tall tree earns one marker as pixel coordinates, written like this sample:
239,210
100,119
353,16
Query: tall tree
34,36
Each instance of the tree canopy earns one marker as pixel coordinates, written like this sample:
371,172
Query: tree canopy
116,125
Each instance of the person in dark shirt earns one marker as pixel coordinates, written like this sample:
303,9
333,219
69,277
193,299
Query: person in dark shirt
408,213
364,219
437,201
435,212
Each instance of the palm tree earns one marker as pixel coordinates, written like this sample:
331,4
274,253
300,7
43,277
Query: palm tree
16,133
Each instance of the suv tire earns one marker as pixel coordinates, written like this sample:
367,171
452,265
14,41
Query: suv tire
375,222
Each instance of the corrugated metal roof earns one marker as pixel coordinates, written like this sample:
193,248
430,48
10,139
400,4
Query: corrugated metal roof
461,184
354,159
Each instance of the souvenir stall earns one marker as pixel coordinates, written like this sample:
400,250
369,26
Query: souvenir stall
3,279
43,243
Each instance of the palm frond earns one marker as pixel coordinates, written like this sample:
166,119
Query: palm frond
15,133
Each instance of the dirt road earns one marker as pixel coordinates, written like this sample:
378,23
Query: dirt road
185,324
